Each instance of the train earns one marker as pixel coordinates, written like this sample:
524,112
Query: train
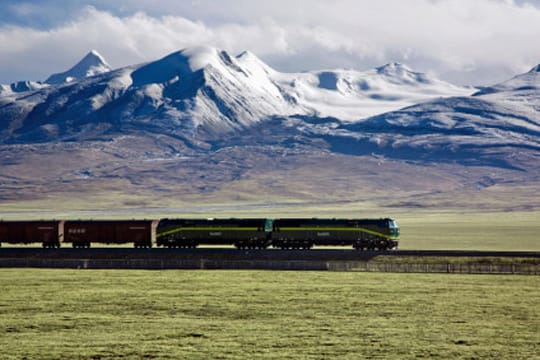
242,233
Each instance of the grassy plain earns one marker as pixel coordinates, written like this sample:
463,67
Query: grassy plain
67,314
503,231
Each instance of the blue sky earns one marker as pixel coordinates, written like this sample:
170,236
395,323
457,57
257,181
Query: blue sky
462,41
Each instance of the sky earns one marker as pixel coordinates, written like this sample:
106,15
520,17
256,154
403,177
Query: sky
466,42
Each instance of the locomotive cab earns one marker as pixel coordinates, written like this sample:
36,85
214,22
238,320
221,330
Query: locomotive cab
394,228
268,225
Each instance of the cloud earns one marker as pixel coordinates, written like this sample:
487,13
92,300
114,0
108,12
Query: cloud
482,41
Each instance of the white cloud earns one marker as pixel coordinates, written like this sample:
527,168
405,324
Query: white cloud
481,41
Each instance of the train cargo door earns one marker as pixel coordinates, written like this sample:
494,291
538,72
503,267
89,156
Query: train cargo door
137,232
46,233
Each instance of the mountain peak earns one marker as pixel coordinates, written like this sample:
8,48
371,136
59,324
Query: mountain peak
535,69
393,68
526,82
250,60
181,63
201,56
94,58
91,64
402,73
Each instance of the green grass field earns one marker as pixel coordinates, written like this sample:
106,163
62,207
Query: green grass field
70,314
503,231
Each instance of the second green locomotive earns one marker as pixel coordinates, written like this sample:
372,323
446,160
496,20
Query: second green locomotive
298,233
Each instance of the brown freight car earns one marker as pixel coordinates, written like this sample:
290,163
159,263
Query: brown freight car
82,233
26,232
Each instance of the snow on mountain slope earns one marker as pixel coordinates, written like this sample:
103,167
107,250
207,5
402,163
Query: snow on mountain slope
511,105
498,122
195,92
203,96
521,92
203,92
92,64
528,82
20,86
351,95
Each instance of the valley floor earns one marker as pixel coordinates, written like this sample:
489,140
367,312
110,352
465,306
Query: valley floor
89,314
438,205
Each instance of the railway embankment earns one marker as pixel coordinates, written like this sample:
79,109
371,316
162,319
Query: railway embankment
306,265
523,263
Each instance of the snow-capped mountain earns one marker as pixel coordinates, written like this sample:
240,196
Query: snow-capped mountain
92,64
351,95
522,85
497,122
204,93
202,122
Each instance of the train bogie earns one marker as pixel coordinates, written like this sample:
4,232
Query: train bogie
27,232
82,233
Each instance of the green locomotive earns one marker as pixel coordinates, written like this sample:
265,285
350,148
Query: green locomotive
361,234
189,233
297,233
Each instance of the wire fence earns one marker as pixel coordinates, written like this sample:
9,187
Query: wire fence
360,266
449,268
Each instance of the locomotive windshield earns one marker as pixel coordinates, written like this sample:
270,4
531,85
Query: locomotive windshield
393,226
268,225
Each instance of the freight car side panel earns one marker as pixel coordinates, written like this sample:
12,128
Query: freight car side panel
26,232
83,233
137,232
4,237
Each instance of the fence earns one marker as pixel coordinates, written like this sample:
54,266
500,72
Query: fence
361,266
450,268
